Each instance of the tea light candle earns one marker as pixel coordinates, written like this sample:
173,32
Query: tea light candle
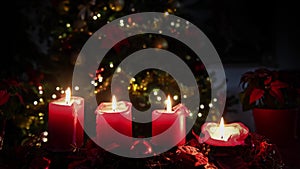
222,134
113,118
65,123
162,120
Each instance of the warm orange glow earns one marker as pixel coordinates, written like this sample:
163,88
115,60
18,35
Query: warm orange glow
114,103
222,129
68,95
169,104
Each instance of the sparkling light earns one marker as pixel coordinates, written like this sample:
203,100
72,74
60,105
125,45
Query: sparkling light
119,70
215,99
199,114
210,105
41,92
44,139
45,133
41,100
111,65
40,88
175,97
95,17
191,114
57,88
54,96
201,106
35,103
158,98
132,80
76,88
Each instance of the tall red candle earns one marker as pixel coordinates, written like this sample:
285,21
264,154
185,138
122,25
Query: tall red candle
162,120
65,123
114,118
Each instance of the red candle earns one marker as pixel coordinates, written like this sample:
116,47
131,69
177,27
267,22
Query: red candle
222,134
65,123
114,124
162,120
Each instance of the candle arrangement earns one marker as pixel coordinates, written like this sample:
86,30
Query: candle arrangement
114,120
65,123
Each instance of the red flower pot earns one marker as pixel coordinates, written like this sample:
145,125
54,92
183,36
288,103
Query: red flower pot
280,126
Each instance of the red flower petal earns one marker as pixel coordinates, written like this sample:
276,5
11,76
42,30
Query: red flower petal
268,80
275,92
278,84
255,95
4,96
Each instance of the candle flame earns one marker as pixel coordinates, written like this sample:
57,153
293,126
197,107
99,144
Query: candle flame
68,95
221,128
114,103
169,104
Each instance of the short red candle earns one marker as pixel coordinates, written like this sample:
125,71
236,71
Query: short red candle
65,124
231,134
162,120
113,119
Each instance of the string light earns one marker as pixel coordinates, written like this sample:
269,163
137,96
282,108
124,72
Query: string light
175,97
111,65
54,96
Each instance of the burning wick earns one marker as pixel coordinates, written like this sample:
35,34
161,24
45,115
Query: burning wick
169,104
114,103
222,130
68,95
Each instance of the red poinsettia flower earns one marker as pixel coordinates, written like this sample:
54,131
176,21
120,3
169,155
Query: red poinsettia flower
272,87
264,88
